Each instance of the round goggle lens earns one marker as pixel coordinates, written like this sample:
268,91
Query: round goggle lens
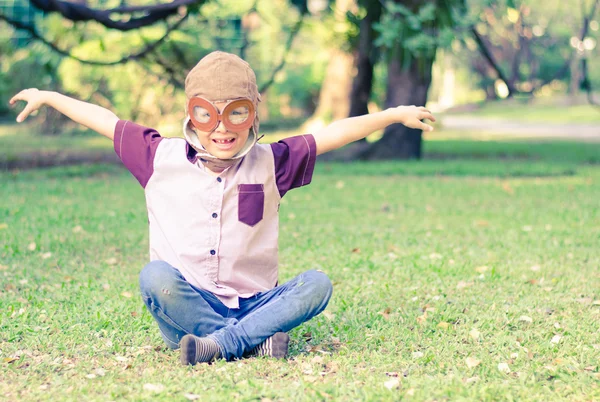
239,115
201,114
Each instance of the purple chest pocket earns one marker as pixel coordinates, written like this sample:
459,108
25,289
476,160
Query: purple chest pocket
251,203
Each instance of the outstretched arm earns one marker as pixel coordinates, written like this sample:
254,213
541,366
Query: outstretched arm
345,131
94,117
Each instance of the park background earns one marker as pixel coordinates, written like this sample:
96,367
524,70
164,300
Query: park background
464,261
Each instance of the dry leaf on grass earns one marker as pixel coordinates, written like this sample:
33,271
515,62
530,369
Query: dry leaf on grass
556,339
474,334
126,294
111,261
31,247
45,256
503,367
525,318
472,362
392,384
443,325
191,397
154,387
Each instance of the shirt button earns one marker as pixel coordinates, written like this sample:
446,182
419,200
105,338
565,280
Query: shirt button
213,252
219,179
214,215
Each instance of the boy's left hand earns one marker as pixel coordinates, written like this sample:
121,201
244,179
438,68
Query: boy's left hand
412,116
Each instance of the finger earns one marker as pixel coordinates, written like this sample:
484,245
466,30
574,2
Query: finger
15,98
427,116
426,127
26,112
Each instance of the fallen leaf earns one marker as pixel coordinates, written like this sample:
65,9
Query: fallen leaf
410,392
555,339
590,368
106,286
391,384
9,360
310,378
443,325
111,261
481,269
31,247
472,379
482,223
507,188
514,356
154,387
91,376
475,334
525,318
503,367
45,256
356,250
340,184
191,397
422,318
472,362
417,355
126,294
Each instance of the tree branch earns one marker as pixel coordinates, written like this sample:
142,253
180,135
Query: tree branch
80,12
485,52
147,49
288,47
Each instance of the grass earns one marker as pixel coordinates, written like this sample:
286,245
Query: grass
537,111
442,269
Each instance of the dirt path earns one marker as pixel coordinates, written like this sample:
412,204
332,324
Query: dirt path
585,132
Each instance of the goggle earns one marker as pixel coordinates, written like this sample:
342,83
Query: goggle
237,114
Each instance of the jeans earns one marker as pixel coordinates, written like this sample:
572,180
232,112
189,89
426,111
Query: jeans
180,308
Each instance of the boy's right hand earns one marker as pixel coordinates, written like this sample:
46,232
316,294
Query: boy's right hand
34,99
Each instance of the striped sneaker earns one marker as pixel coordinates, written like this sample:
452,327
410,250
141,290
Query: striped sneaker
275,346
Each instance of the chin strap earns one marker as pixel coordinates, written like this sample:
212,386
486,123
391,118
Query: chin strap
210,161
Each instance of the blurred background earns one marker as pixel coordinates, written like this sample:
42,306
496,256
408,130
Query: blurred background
491,70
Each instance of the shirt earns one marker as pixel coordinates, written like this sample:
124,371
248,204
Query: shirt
220,232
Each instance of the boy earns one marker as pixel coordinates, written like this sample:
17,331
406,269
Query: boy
213,201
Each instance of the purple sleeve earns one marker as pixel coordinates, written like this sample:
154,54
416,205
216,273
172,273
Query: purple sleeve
294,162
136,146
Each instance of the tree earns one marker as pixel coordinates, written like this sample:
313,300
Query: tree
409,34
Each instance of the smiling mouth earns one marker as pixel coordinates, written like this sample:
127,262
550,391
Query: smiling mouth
224,141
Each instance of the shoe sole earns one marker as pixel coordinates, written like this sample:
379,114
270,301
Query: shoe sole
188,350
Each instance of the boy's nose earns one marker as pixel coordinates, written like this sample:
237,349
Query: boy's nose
221,127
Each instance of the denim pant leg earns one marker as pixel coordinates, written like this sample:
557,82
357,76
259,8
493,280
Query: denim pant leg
277,310
177,307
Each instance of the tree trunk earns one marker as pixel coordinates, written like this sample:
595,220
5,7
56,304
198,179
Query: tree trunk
404,87
365,61
334,97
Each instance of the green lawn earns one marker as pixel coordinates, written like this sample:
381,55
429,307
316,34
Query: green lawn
471,276
539,110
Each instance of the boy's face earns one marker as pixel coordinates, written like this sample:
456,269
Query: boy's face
221,142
